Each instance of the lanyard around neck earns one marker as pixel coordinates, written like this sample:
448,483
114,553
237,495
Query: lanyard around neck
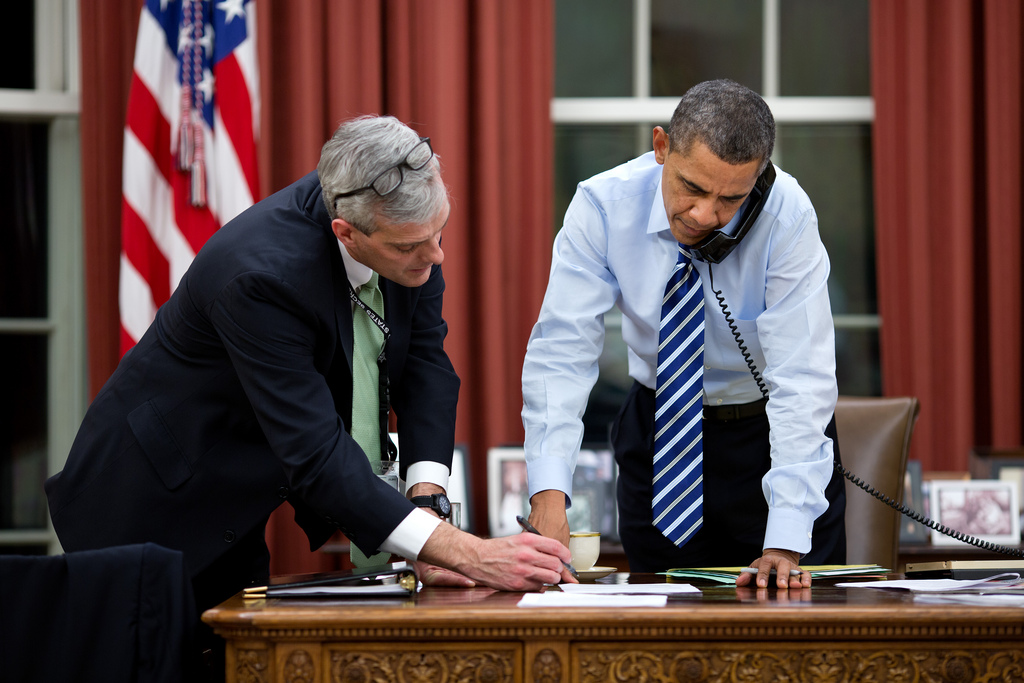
377,320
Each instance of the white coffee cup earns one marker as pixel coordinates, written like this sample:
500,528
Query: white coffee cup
585,547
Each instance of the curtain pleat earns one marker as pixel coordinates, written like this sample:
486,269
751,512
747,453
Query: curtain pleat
947,167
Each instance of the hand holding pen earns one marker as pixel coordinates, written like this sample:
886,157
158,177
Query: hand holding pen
529,528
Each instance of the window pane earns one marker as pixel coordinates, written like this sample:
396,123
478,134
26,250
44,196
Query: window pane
582,151
23,149
824,48
23,443
697,40
593,48
17,49
858,366
833,164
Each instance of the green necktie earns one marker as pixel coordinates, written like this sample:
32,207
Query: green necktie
368,340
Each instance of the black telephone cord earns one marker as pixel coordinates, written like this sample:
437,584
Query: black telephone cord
888,500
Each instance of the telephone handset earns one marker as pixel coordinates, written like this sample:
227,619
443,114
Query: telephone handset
718,245
713,249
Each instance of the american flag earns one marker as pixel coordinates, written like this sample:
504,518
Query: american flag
189,144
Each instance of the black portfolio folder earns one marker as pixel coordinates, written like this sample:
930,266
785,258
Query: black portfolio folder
397,578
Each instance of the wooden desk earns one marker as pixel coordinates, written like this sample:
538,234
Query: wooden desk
724,634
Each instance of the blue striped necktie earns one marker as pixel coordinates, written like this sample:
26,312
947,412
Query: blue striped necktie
678,453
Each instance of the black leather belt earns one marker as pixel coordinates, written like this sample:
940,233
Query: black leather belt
735,411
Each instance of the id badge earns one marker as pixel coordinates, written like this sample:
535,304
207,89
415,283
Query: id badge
387,470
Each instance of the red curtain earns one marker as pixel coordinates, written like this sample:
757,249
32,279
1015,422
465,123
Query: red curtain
948,184
474,75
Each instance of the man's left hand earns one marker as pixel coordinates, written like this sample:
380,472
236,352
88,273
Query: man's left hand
432,575
782,561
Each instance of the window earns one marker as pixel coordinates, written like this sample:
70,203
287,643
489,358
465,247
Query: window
41,325
620,69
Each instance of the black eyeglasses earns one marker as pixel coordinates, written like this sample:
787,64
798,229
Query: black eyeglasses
389,179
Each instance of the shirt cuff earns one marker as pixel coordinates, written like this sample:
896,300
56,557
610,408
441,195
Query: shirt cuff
411,534
788,530
543,474
426,471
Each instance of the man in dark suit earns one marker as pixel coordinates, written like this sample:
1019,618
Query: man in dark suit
240,395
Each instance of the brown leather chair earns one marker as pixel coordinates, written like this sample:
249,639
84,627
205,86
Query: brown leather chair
874,438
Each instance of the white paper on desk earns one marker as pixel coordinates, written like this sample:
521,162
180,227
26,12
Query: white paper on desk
938,585
981,600
557,599
629,588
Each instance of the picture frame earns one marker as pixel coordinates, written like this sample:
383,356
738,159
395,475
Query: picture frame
984,508
911,531
1006,464
593,496
507,494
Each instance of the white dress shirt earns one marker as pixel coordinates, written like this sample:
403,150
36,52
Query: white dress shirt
615,249
409,537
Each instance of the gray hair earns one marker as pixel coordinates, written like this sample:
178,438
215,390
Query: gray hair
732,120
361,149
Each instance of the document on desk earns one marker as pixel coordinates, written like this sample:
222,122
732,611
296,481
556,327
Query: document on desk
559,599
629,588
974,586
997,599
727,575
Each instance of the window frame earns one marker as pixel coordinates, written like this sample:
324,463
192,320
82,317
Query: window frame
641,109
56,100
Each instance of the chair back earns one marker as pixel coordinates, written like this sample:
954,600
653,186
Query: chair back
874,438
118,615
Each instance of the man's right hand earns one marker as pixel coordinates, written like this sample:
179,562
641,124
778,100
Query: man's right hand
547,515
524,562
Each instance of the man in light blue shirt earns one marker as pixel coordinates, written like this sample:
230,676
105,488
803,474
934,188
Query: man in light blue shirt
770,499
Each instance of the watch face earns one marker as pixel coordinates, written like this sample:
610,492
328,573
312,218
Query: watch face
443,504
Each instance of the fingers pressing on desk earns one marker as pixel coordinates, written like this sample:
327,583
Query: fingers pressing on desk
780,566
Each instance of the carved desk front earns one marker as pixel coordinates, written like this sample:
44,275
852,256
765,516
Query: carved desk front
477,635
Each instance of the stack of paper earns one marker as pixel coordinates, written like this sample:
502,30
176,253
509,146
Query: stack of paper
1005,590
729,574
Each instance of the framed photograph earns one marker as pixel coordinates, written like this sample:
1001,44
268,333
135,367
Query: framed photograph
912,532
984,508
593,496
1005,464
507,494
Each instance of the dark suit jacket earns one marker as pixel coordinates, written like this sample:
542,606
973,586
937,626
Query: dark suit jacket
224,408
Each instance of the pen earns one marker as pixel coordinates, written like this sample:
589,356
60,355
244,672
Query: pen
753,570
529,527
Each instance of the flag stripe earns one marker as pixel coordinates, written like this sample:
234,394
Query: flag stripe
236,113
144,255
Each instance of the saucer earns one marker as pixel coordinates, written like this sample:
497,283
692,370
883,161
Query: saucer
594,573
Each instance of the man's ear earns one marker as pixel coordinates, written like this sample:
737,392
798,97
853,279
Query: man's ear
344,230
660,144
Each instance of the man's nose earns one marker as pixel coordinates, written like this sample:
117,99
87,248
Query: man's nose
435,254
703,213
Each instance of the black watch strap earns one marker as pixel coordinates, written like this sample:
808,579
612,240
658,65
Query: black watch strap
438,502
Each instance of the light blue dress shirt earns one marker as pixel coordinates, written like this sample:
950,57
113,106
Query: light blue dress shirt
615,249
